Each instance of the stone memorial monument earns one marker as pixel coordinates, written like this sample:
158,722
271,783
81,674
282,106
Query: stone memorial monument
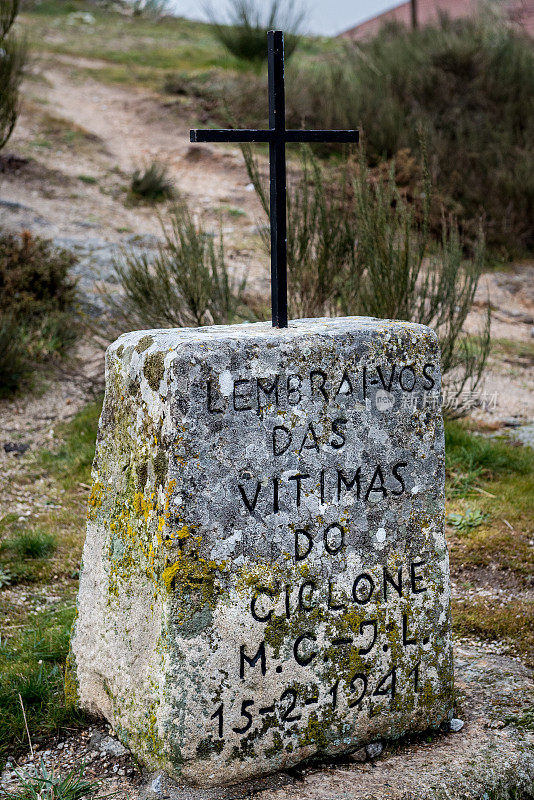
265,576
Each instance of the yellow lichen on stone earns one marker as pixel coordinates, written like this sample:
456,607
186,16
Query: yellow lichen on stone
95,499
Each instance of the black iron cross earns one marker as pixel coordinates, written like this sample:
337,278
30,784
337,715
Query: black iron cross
276,136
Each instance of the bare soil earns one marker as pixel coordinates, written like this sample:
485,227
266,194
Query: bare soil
118,130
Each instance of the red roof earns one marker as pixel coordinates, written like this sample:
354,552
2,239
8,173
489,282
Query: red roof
520,12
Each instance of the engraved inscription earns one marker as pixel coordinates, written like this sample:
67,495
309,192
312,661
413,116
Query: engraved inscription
375,598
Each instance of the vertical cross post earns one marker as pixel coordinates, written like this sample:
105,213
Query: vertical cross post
277,159
276,136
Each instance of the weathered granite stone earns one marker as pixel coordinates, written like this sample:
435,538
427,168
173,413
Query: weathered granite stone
265,575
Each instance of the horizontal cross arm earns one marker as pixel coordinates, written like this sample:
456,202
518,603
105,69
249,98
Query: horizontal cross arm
322,136
235,135
213,135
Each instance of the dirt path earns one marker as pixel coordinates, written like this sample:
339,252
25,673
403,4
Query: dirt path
72,127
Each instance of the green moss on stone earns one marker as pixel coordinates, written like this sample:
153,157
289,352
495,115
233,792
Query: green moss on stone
161,463
142,345
142,475
154,369
207,747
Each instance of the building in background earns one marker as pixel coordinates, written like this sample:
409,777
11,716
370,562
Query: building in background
520,13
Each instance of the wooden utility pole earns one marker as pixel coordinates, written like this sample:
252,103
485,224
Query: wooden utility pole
413,5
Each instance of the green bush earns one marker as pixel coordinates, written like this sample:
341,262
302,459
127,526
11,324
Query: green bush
469,85
187,283
320,236
400,274
14,364
356,246
151,183
245,34
34,277
150,9
12,60
37,305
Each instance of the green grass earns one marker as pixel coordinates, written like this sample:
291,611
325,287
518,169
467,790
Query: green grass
492,481
513,350
48,785
473,458
512,623
134,48
169,44
58,131
89,179
71,463
233,211
31,664
25,554
33,544
34,550
34,643
493,477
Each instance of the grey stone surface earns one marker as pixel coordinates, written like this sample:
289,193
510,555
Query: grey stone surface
96,264
265,576
374,749
525,435
359,756
112,747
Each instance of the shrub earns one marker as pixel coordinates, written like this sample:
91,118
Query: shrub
320,237
14,366
365,250
12,60
469,84
152,183
150,9
32,544
187,283
398,275
34,276
245,34
37,304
